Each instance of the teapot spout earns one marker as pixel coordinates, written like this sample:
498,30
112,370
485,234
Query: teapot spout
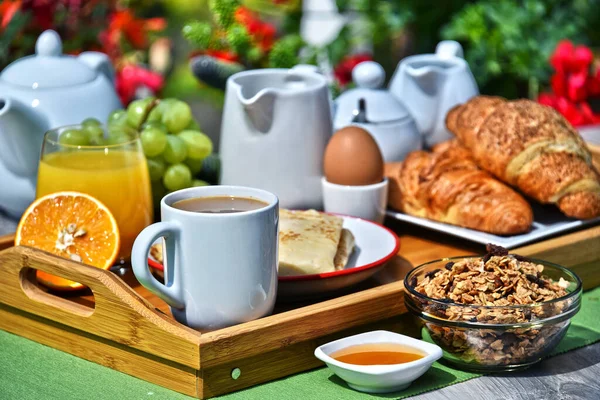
20,129
260,109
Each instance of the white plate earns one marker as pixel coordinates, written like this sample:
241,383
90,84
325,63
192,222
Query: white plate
547,221
374,246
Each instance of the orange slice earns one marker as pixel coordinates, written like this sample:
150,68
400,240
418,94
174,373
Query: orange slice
71,225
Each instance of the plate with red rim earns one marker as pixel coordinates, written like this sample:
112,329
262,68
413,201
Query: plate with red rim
375,245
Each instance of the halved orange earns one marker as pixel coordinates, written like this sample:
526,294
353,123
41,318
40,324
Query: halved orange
72,225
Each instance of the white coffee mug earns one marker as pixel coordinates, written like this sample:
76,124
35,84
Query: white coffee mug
220,268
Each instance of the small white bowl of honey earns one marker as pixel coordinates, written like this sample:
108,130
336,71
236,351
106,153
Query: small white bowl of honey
379,361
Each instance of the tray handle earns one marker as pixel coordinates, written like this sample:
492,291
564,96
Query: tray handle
120,314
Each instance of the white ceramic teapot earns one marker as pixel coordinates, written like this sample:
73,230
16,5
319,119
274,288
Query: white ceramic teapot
376,110
276,124
429,85
41,92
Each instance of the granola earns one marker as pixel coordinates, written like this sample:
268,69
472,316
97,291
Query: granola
493,285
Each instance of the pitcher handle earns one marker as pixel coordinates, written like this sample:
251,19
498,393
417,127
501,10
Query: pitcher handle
170,231
449,49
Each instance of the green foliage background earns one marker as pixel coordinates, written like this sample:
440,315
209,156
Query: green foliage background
507,42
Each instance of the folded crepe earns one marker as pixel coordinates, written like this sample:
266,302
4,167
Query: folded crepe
311,242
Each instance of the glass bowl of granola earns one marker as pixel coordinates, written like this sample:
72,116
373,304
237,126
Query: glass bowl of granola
499,312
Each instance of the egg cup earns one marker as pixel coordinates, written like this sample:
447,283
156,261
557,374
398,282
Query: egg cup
365,201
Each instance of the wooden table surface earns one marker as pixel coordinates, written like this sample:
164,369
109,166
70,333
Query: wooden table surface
574,375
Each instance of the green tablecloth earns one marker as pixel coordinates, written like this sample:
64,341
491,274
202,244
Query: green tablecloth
29,370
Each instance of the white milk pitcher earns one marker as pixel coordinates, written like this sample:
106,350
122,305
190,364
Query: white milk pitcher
276,124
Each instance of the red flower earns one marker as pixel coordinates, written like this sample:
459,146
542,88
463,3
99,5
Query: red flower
8,9
588,114
131,77
576,90
568,58
572,84
343,71
43,12
593,84
224,55
559,85
548,99
124,25
570,111
262,33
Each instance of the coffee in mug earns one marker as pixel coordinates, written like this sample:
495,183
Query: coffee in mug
220,204
220,251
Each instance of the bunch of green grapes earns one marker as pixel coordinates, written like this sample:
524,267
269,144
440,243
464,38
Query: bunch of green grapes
171,139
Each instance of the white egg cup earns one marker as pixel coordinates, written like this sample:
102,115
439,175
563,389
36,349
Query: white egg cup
367,201
379,378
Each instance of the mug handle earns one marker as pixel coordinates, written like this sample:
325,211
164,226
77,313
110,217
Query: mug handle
170,292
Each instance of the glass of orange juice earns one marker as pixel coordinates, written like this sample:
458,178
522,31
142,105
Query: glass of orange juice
111,167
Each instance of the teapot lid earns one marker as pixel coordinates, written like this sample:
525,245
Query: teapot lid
48,68
377,105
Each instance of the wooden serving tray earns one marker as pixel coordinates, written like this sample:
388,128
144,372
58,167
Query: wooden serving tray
124,327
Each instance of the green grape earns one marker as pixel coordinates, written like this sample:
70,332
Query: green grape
175,150
153,141
156,168
158,192
198,182
119,122
155,115
177,116
157,112
194,165
193,126
177,176
119,135
155,124
74,137
198,144
95,134
116,139
90,122
116,116
138,110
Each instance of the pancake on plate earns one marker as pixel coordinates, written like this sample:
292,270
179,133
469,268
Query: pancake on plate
311,242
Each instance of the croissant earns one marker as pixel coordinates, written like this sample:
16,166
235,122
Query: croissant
531,147
448,186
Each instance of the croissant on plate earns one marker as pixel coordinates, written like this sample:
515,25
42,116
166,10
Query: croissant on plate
531,147
446,185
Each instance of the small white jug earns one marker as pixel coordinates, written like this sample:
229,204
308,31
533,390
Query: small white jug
429,85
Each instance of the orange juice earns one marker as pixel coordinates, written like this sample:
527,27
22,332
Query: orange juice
118,178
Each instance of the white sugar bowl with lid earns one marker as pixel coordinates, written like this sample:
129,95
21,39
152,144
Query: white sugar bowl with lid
46,90
381,114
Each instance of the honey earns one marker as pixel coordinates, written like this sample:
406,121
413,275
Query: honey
377,354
